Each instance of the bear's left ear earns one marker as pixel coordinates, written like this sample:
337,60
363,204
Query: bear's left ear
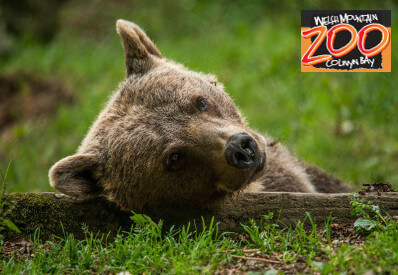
76,176
138,48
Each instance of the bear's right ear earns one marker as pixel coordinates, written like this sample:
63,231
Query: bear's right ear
76,176
138,48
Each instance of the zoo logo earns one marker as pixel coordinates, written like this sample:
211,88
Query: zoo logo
346,40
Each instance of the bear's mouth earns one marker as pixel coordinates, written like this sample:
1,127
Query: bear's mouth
260,167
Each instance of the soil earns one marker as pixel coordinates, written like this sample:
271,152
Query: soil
21,247
26,97
376,188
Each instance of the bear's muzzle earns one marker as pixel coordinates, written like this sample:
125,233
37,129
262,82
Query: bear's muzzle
241,151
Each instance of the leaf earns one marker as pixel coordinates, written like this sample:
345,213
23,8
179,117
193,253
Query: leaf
271,272
376,208
318,265
365,224
143,220
11,225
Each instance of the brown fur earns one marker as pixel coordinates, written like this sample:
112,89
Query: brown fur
128,156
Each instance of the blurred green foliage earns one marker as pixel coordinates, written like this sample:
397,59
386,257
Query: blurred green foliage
343,122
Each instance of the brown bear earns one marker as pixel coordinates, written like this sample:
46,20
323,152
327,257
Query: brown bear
172,137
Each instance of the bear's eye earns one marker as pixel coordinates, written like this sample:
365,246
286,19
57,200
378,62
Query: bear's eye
202,104
174,158
174,161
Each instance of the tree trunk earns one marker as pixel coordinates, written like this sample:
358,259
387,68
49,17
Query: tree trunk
55,213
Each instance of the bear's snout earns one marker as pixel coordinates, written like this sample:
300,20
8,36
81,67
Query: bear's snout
241,151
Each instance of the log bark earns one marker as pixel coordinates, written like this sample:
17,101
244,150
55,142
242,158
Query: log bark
55,213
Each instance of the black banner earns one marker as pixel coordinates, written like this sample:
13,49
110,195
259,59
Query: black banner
356,18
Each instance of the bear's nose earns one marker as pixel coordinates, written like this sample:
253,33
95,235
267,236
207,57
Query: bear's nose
241,151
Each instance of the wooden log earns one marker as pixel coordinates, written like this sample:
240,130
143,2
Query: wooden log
55,213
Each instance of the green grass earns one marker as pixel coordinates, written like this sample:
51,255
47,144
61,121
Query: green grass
5,222
143,249
146,248
377,253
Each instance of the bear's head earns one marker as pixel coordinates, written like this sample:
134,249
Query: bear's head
168,137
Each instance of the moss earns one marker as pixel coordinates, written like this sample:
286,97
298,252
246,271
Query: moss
53,216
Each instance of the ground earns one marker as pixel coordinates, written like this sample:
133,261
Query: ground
371,243
250,260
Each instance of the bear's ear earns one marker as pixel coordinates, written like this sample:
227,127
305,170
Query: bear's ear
138,48
76,176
